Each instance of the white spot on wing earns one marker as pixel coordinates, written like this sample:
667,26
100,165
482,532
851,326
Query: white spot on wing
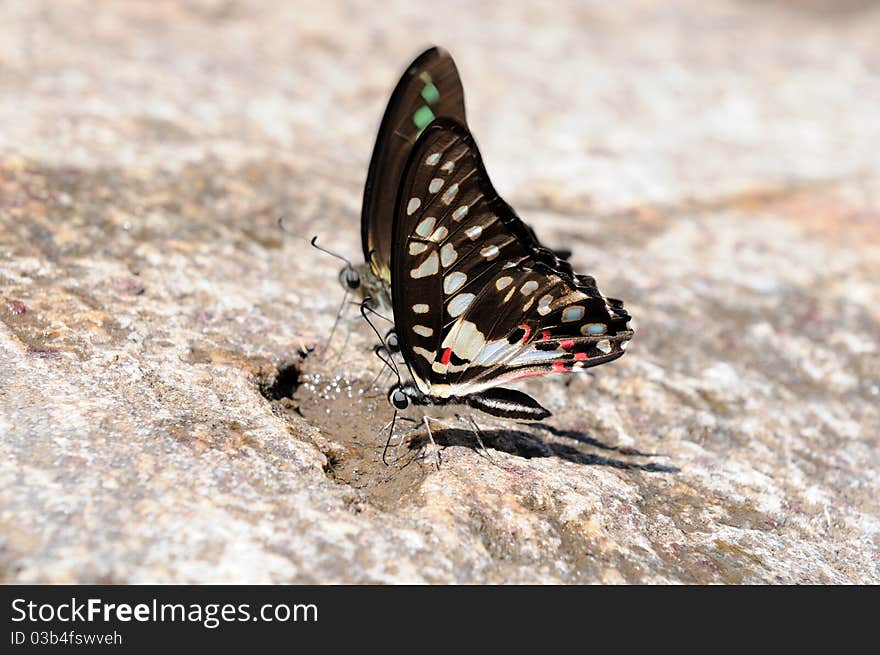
489,252
448,255
458,305
430,266
416,248
465,339
528,288
449,195
460,213
503,282
544,305
436,184
432,159
412,205
604,346
453,282
448,166
421,308
473,232
426,226
439,234
424,352
422,330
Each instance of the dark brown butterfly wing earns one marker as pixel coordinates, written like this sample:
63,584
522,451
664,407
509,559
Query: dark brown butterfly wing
430,87
477,300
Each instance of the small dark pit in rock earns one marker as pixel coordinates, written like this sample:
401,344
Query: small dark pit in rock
282,385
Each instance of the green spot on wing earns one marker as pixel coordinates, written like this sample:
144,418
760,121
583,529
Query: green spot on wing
422,116
430,93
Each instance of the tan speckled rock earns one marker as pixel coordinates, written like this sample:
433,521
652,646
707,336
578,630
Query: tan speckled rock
714,167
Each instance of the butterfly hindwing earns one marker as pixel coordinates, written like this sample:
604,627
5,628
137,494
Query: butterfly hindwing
477,300
430,87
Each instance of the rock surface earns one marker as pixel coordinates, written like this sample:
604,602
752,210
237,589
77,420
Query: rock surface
716,167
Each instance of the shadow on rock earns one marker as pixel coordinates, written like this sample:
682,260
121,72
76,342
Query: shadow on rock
587,439
527,445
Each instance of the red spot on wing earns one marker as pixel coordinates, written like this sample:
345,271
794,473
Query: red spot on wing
568,344
580,356
528,331
444,358
556,367
545,334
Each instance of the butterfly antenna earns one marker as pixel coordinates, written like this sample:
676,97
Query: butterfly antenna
314,243
381,353
391,365
280,221
390,362
375,313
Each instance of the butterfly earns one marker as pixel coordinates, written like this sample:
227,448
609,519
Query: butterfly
478,301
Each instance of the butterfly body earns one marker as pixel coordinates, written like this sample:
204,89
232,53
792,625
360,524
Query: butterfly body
508,404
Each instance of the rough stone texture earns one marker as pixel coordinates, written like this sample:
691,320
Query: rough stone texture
713,164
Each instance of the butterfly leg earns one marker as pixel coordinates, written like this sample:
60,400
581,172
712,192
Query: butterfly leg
387,368
390,435
402,438
339,314
426,421
478,433
383,373
344,346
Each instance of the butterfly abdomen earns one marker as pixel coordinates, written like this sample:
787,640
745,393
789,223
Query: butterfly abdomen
508,404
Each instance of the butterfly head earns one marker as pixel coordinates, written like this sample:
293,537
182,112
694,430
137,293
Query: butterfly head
404,395
392,343
389,346
349,278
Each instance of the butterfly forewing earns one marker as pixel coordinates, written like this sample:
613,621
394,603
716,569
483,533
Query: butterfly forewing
429,88
477,300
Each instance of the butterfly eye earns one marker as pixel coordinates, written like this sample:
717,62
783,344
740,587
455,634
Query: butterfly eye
398,398
349,278
391,342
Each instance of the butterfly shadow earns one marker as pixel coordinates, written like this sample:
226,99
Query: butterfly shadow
527,445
